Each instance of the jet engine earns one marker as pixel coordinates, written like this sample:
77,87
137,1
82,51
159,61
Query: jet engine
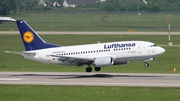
103,61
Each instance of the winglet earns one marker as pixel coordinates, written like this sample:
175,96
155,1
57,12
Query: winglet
31,40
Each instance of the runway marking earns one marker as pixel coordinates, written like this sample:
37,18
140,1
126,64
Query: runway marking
10,79
120,84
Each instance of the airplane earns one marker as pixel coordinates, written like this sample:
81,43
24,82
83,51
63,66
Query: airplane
97,55
6,19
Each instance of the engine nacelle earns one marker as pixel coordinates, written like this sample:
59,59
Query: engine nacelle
103,61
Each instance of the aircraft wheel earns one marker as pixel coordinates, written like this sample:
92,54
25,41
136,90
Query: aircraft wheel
88,69
146,64
97,69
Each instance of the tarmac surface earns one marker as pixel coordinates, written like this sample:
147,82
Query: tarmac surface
91,79
83,32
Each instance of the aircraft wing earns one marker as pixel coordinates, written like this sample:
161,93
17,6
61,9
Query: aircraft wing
7,19
74,60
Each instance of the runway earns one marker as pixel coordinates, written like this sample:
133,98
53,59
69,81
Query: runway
91,79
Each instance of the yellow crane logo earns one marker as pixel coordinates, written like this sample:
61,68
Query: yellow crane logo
28,37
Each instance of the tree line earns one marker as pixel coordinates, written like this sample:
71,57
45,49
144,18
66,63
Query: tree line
14,6
151,6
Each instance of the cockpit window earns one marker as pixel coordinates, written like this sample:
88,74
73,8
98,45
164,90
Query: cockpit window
154,45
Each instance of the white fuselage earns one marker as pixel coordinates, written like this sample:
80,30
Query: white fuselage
122,51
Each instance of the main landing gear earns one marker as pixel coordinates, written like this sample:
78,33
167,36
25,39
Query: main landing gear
97,69
89,69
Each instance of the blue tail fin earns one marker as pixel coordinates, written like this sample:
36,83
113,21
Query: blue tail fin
31,40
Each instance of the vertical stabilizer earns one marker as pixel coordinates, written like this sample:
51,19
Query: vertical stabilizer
31,40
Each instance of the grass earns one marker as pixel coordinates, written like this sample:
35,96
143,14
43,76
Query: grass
81,93
163,64
92,22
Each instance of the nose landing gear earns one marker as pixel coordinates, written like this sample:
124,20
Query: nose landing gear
146,64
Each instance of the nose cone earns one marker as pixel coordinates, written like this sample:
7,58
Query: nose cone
161,50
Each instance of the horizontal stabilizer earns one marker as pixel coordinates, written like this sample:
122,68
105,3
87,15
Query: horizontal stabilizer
26,52
14,52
